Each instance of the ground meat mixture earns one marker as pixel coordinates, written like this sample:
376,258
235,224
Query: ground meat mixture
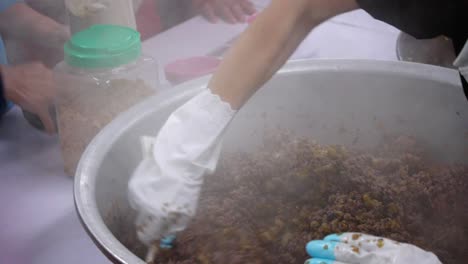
264,207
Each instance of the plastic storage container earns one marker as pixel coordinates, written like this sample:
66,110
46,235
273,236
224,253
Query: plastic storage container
104,74
85,13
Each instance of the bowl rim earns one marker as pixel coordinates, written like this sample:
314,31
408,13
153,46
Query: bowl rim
94,154
178,71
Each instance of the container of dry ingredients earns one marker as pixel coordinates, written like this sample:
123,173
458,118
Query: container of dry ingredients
103,74
85,13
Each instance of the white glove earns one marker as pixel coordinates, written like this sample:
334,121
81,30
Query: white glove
165,187
356,248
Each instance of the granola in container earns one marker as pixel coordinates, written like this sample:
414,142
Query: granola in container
104,74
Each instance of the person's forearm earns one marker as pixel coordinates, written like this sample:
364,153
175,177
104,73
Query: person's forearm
268,43
23,23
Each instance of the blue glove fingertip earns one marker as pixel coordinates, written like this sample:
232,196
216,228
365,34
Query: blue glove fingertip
322,249
319,261
167,242
333,237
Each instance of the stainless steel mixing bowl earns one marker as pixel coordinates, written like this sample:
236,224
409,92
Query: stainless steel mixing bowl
319,98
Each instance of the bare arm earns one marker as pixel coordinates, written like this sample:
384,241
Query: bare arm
32,87
23,23
268,43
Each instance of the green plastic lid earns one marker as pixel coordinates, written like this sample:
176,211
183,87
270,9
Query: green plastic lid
103,46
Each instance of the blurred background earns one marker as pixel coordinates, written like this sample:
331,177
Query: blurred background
38,223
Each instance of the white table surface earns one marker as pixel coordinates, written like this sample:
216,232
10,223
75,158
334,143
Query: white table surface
38,223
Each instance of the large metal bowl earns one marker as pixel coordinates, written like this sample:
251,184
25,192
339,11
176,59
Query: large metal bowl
317,98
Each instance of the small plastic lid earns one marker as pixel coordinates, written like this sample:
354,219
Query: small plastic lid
183,70
103,46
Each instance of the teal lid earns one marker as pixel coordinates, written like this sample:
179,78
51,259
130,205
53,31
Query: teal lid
103,46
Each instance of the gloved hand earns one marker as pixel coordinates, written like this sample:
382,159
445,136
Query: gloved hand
164,188
356,248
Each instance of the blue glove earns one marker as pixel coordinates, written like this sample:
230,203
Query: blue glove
167,242
357,248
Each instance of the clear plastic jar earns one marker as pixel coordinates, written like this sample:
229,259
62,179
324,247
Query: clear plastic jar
103,75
